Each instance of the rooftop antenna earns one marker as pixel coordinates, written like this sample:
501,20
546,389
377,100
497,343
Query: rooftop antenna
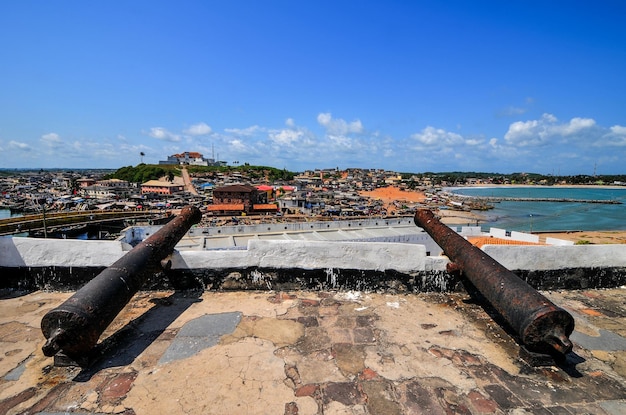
213,151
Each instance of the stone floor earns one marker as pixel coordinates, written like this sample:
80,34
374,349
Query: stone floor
313,353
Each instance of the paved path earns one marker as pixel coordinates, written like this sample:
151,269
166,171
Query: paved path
313,353
187,181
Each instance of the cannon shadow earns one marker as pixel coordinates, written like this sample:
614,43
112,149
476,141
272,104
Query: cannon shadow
126,344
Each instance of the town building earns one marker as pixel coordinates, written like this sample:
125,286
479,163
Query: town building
107,189
191,158
85,182
240,199
161,187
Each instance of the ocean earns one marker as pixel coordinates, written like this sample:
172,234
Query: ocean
552,216
6,213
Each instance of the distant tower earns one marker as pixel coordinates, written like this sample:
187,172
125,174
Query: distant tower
213,152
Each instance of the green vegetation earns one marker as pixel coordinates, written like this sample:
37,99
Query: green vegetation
583,242
254,172
144,172
461,178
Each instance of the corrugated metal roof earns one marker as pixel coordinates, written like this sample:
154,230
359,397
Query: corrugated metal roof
225,206
265,206
481,241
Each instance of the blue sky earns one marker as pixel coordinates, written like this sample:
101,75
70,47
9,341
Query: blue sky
411,86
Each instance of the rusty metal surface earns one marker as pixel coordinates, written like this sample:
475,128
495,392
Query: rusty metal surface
74,327
541,325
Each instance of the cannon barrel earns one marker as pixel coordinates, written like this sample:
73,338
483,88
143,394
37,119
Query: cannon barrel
74,327
541,325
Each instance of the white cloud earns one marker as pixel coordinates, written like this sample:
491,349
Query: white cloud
238,145
342,142
616,137
549,117
431,137
244,132
511,111
546,130
161,133
289,122
338,126
474,141
51,138
575,126
524,133
285,137
17,145
618,130
198,129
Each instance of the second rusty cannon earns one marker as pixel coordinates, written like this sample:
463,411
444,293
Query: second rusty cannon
74,327
540,324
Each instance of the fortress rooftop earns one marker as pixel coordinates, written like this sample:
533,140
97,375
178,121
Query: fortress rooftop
320,352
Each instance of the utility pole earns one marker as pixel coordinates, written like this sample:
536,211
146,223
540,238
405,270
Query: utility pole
45,228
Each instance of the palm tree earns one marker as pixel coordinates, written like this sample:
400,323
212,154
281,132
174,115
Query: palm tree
142,154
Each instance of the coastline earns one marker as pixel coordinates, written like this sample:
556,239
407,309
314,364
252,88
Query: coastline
562,186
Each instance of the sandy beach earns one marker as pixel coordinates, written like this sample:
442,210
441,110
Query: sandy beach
592,237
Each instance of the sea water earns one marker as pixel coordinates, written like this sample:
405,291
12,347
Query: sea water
553,216
6,213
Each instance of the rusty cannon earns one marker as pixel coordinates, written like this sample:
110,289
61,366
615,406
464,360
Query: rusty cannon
541,325
73,328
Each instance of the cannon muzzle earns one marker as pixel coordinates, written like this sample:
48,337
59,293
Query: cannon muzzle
541,325
75,326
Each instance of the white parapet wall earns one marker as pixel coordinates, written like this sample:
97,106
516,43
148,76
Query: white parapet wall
471,231
347,255
525,237
285,254
540,258
379,256
498,233
558,242
35,252
277,254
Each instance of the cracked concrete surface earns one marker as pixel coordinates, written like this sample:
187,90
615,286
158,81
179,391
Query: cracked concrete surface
312,353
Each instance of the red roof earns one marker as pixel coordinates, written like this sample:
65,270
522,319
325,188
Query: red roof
225,206
264,188
481,241
235,188
265,206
